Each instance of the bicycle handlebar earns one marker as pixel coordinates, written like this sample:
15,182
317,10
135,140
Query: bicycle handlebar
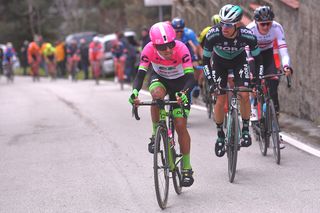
268,76
160,103
272,75
237,89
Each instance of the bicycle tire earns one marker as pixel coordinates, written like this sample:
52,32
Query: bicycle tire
176,175
232,145
267,127
208,100
209,105
263,136
274,132
161,153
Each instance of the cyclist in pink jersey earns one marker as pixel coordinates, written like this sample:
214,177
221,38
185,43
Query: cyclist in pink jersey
172,75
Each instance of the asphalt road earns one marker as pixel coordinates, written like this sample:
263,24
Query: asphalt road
74,147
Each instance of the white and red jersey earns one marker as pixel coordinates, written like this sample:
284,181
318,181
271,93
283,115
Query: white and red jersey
266,41
177,66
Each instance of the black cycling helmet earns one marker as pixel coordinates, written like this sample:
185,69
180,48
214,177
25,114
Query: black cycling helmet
263,13
177,23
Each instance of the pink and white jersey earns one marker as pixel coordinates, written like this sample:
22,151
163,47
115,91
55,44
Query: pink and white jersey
266,41
177,66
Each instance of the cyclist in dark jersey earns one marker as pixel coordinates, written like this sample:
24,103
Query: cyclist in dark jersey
226,44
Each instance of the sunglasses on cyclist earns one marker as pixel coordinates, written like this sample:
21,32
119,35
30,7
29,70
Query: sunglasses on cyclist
179,31
227,25
163,47
263,24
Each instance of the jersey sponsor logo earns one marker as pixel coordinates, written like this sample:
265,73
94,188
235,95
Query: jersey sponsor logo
185,58
228,48
246,31
235,42
145,59
213,30
244,71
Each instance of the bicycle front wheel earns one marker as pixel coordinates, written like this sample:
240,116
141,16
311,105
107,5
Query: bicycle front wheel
274,132
161,166
176,174
232,144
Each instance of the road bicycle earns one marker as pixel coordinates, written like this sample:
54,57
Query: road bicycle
166,158
233,136
267,125
8,70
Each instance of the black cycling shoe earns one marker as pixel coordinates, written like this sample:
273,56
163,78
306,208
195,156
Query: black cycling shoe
219,147
151,145
187,179
246,139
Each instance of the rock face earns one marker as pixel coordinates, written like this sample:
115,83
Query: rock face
302,29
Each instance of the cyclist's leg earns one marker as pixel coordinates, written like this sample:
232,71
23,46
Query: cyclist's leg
157,89
273,88
116,68
122,62
270,68
180,124
220,73
242,79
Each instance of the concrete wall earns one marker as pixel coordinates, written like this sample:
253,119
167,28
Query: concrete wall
302,31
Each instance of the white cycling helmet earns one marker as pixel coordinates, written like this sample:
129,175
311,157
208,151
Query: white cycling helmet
96,39
231,13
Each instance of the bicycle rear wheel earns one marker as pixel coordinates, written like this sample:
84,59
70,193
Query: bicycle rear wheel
161,166
209,105
274,132
232,144
208,100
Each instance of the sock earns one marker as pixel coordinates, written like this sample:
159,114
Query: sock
220,130
154,128
245,125
186,161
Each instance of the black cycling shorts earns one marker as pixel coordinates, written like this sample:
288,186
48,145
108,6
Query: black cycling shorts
171,86
239,66
269,66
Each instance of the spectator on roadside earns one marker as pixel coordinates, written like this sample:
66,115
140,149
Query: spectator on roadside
119,53
145,39
24,57
1,61
131,58
61,58
84,58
